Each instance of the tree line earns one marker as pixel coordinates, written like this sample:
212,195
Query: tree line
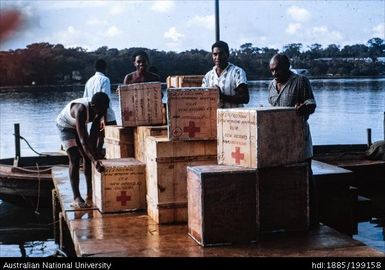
51,64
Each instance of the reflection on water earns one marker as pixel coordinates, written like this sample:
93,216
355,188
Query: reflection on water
25,232
372,234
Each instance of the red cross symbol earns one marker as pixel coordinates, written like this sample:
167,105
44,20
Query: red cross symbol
191,129
127,114
123,198
237,155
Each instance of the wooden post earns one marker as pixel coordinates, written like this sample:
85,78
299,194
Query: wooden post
17,140
369,136
55,214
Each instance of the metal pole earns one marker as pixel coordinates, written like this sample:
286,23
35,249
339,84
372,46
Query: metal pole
369,135
17,140
217,20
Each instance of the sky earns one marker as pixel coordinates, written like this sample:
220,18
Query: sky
183,25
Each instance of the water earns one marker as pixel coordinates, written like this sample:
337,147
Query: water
25,232
345,109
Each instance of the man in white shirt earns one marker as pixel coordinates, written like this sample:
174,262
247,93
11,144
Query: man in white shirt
100,83
230,79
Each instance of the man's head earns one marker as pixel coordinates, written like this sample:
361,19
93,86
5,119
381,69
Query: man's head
140,59
100,65
280,67
100,103
220,53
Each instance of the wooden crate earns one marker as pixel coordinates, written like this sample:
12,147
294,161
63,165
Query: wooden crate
284,198
117,149
118,141
166,174
192,113
178,81
260,137
167,212
121,187
222,204
140,135
140,104
119,133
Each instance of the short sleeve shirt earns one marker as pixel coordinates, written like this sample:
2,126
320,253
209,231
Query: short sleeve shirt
230,79
100,83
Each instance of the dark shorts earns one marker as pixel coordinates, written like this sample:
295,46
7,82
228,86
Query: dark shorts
68,137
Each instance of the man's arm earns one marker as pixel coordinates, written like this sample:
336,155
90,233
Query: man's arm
127,79
79,111
308,106
241,95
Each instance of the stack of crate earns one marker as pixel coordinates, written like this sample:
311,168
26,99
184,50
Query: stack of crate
271,140
122,186
260,183
191,141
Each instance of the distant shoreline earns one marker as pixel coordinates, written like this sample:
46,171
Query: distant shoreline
78,86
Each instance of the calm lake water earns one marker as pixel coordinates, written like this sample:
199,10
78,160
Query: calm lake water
345,109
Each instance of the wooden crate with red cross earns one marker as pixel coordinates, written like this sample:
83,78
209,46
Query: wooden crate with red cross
178,81
260,137
192,113
141,104
121,187
166,175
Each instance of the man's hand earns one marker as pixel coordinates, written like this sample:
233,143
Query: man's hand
99,166
220,92
301,109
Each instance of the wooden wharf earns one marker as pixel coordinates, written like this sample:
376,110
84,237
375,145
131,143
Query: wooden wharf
134,234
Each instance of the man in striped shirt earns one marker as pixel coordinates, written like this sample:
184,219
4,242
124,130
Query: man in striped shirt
230,80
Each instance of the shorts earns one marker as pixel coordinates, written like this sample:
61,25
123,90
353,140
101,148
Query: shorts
68,137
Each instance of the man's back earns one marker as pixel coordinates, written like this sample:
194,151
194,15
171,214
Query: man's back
100,83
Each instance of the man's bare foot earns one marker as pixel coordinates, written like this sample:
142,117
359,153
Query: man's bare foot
79,203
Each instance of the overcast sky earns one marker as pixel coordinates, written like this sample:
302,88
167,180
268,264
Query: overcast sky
184,25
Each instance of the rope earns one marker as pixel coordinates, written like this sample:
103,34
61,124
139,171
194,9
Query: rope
38,190
40,154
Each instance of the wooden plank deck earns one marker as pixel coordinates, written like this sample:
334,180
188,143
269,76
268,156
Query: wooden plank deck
137,235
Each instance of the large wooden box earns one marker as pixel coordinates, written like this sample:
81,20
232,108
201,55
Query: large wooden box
121,187
141,104
178,81
119,142
140,135
260,137
192,113
222,204
284,198
166,175
116,149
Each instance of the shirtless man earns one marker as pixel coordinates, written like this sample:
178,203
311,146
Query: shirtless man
141,62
